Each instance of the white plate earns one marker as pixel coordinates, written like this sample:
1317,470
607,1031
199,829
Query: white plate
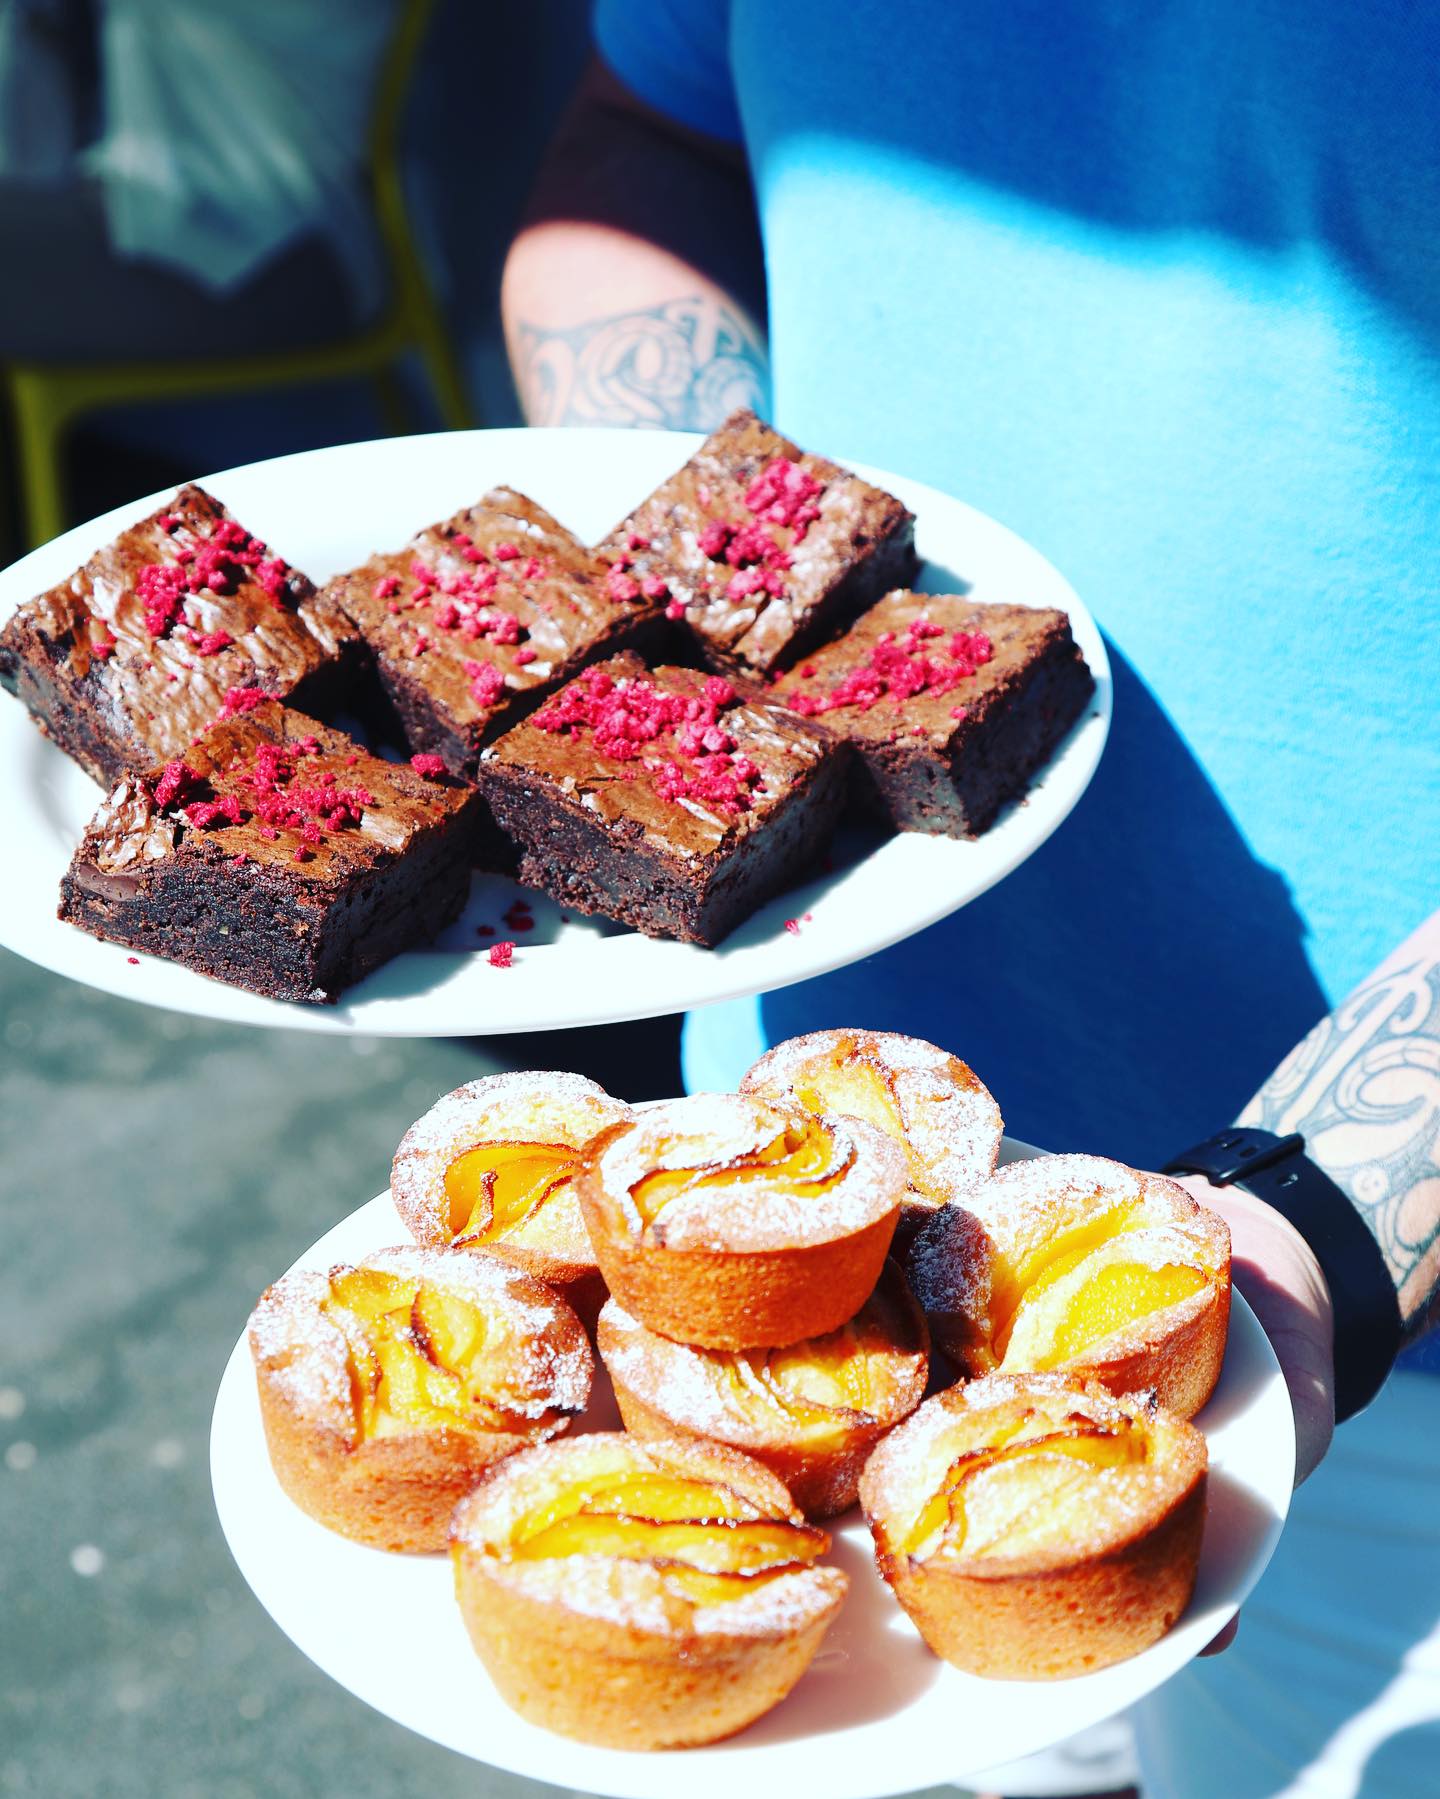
876,1714
327,510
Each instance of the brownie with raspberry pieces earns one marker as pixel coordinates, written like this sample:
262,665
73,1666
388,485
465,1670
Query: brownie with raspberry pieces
674,801
762,549
276,855
480,616
124,662
950,707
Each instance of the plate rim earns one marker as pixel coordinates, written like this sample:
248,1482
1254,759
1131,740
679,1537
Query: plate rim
452,1000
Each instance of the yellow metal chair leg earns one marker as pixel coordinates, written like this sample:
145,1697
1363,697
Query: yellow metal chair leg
390,397
441,363
11,542
39,445
47,399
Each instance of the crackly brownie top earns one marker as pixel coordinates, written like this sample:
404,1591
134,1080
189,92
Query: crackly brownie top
676,756
178,609
918,666
749,537
270,787
497,600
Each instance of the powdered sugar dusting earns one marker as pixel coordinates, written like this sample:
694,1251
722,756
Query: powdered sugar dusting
950,1122
968,1251
1090,1511
695,1387
688,1385
549,1360
638,1594
563,1105
642,1596
536,1346
302,1351
516,1106
1021,1200
709,1130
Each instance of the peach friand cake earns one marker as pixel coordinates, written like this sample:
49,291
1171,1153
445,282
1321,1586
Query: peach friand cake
387,1388
737,1222
644,1595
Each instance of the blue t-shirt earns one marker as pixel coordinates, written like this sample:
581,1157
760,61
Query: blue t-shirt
1159,287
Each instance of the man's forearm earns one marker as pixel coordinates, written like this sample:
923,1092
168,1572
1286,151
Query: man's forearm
633,294
1364,1091
679,364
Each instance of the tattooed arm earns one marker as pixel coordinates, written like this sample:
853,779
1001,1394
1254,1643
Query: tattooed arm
1364,1091
634,293
681,365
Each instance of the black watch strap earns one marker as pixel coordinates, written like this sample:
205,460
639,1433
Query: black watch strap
1368,1327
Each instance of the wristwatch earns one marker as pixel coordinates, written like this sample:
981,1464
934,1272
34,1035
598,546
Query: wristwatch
1368,1327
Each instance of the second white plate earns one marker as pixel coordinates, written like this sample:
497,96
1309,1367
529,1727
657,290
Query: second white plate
876,1714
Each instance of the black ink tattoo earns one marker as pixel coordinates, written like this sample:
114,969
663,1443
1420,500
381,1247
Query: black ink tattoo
683,366
1364,1089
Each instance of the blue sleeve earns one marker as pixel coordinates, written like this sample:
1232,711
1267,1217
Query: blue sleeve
675,55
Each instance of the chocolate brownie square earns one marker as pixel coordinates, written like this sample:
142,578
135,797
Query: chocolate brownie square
762,548
950,706
478,618
277,855
126,661
664,798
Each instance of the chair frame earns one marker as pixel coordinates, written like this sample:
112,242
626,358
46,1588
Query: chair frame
46,398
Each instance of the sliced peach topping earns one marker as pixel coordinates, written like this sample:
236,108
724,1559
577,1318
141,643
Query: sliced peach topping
421,1358
495,1187
666,1498
854,1082
703,1534
823,1386
799,1162
1117,1294
1022,1282
1080,1441
855,1086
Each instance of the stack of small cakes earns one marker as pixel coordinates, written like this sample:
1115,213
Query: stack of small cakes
758,1349
744,1241
744,1238
762,1274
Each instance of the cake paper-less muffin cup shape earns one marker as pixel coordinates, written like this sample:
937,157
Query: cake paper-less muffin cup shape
387,1388
936,1108
597,1579
492,1167
1035,1527
1080,1265
811,1412
736,1222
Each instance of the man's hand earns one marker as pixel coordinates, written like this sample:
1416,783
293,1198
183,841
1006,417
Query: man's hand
1275,1268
